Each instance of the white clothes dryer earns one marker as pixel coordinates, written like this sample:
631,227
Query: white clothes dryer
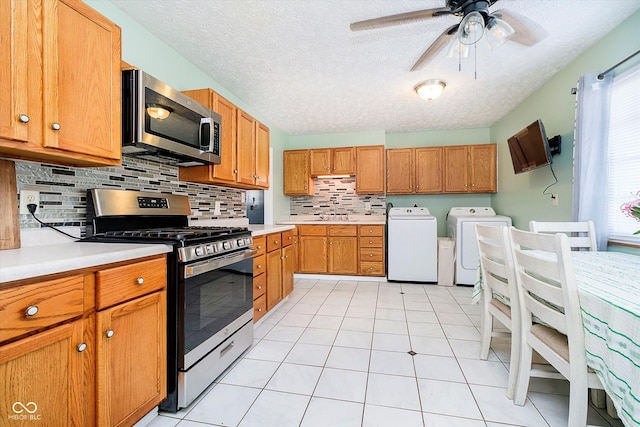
461,227
412,245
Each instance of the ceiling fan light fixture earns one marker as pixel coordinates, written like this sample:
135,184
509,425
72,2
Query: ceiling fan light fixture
471,28
457,49
498,32
430,89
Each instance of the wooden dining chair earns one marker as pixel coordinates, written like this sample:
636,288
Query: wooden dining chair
547,289
500,298
582,235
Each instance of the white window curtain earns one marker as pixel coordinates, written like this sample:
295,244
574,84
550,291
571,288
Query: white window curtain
590,164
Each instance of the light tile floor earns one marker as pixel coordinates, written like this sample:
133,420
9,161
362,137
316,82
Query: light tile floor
336,354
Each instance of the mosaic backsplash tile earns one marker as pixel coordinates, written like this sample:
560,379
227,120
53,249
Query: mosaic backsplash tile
63,190
339,194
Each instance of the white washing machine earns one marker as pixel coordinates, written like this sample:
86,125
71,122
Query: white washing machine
412,245
461,223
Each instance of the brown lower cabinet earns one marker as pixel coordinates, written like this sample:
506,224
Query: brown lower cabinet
71,345
338,249
273,268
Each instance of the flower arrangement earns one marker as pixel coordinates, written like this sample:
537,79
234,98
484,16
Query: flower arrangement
632,208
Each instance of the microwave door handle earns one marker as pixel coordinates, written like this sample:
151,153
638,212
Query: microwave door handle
204,138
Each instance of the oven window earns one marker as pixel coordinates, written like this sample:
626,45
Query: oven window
214,299
181,125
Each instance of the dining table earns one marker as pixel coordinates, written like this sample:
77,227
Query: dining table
609,292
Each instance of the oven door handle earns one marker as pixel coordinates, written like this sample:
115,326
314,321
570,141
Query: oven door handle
191,270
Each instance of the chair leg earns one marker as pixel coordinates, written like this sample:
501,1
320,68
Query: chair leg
486,328
514,362
578,400
598,398
524,374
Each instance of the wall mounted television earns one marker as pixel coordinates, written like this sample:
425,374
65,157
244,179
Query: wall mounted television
530,148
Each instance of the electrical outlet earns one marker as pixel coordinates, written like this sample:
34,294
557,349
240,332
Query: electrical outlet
367,206
27,197
554,199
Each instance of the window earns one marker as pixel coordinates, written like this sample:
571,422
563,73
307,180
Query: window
624,155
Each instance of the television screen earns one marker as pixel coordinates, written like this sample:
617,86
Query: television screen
529,148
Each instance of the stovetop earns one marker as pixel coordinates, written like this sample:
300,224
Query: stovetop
184,234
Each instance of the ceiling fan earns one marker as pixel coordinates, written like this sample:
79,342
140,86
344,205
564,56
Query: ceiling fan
477,20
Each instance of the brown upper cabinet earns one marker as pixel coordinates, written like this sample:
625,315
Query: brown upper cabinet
244,161
297,180
470,168
370,169
53,55
333,161
414,170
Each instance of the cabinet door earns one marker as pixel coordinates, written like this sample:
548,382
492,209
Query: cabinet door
456,170
262,155
313,254
482,164
44,376
343,255
400,171
228,167
296,173
370,169
274,278
320,161
132,359
344,161
81,80
246,134
428,170
13,74
289,255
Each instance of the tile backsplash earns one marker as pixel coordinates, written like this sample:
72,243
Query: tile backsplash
339,193
63,190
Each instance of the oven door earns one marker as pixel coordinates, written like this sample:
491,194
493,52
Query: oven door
216,302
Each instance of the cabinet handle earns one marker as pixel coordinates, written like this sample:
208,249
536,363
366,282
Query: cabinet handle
417,186
259,287
275,242
81,347
235,171
473,185
259,265
31,311
259,247
140,280
290,237
324,243
109,333
370,242
281,257
331,243
23,118
371,268
259,310
370,231
55,126
305,187
370,254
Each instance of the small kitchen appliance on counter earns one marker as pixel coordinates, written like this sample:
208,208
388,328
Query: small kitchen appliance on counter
412,245
461,226
209,283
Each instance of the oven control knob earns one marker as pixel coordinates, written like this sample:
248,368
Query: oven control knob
210,249
240,242
226,245
199,250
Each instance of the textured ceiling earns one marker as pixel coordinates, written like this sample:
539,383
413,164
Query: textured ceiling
297,65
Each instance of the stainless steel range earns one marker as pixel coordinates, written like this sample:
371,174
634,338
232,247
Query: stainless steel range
209,289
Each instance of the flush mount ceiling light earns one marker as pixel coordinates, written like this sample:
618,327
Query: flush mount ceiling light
158,111
430,89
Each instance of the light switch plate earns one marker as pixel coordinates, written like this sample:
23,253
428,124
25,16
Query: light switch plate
367,206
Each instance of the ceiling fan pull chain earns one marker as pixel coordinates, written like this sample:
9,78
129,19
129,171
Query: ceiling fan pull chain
475,61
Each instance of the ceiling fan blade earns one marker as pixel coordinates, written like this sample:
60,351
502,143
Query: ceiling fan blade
527,33
402,18
435,48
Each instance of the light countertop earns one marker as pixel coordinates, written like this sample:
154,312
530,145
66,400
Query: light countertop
35,261
260,229
353,220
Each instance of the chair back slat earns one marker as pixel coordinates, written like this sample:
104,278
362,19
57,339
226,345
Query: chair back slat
542,286
582,235
495,260
548,315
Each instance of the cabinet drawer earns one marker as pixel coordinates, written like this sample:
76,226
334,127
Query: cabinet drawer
260,244
371,268
118,284
259,285
27,308
287,238
371,254
371,242
343,230
312,230
274,241
259,307
259,265
371,230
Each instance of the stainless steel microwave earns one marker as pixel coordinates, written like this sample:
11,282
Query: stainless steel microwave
164,125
